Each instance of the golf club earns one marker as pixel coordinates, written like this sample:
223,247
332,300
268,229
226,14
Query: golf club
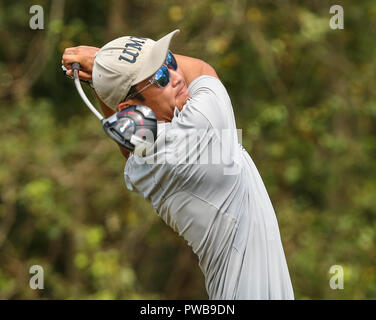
134,128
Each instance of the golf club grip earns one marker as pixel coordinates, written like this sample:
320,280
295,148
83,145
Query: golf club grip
76,66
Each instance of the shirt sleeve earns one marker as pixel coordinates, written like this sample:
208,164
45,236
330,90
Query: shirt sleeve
210,98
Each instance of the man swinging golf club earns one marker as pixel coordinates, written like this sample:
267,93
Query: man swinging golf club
197,176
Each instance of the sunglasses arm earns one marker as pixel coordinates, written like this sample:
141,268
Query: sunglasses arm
151,82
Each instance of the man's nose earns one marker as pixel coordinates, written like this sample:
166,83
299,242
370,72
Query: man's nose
176,77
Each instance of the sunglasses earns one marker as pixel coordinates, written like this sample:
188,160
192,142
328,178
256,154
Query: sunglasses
161,77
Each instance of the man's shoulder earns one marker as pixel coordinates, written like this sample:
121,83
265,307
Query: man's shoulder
209,97
206,82
188,118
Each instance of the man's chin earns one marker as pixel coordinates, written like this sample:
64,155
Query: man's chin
180,103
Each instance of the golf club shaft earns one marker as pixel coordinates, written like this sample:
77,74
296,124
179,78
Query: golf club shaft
76,68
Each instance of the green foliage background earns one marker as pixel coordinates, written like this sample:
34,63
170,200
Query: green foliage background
303,94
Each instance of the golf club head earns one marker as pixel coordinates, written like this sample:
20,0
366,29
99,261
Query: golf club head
134,128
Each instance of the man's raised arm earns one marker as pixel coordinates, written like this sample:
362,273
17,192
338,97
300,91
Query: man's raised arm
193,68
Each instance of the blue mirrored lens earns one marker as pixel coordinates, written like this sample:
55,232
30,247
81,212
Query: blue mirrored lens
170,61
162,76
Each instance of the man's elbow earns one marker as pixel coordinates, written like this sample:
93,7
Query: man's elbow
208,70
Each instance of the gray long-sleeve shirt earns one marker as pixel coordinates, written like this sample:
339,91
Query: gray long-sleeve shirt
205,186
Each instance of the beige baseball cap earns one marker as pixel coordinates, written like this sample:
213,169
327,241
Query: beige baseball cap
124,62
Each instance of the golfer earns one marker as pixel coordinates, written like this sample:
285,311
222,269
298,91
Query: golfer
197,176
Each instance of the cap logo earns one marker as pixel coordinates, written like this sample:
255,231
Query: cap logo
130,49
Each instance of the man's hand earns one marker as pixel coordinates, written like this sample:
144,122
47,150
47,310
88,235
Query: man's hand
84,55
